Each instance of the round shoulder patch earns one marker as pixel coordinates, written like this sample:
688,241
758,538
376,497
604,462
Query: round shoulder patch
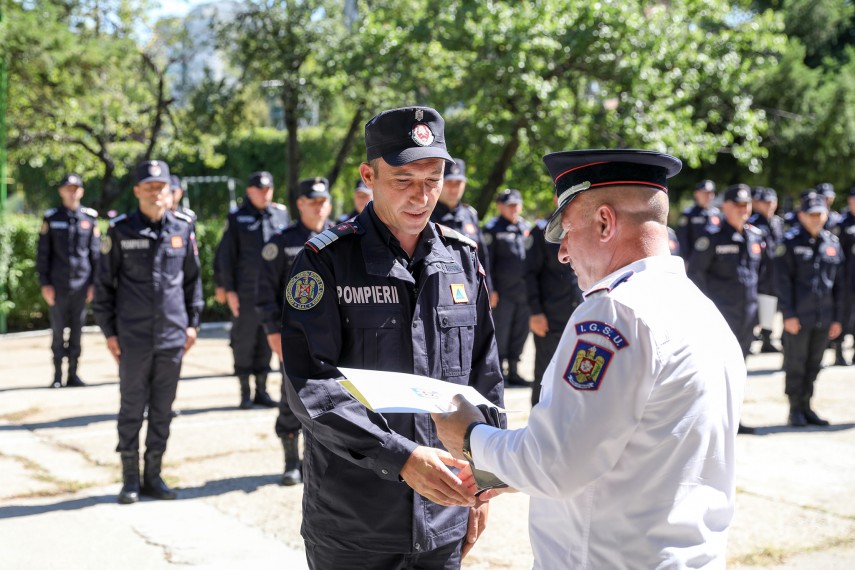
780,250
270,252
702,243
304,290
488,238
683,221
106,245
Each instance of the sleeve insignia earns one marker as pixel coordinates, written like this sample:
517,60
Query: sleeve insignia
270,251
702,244
587,367
106,245
603,329
683,221
304,290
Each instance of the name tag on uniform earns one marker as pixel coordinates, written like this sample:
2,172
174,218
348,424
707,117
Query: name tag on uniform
699,220
132,244
59,225
245,219
725,249
367,294
803,250
449,267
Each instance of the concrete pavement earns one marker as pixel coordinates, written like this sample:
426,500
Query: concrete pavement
60,474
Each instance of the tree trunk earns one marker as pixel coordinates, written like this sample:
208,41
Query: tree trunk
347,143
500,168
290,105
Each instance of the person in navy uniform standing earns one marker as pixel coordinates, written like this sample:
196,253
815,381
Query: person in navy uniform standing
696,220
278,257
66,260
553,294
845,231
148,300
506,236
764,203
389,291
727,266
177,195
362,194
810,284
826,190
451,212
247,230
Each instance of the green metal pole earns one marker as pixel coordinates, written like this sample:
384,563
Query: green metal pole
2,145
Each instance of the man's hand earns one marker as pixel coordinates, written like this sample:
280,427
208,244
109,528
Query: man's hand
476,525
426,473
49,294
451,427
834,330
538,324
220,295
234,303
113,347
494,299
191,339
275,342
792,325
90,293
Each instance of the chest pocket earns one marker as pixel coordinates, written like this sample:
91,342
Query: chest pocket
457,336
137,264
173,259
373,337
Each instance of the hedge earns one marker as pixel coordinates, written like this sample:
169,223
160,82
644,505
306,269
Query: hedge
20,294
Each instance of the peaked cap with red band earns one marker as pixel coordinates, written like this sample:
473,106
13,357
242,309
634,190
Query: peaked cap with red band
575,171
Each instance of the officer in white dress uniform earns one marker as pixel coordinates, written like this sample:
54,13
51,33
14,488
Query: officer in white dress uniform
629,456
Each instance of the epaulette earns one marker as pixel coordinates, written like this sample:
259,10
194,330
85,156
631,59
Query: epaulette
754,229
183,217
831,237
89,211
326,237
472,211
541,223
609,287
50,212
117,219
491,223
279,206
449,233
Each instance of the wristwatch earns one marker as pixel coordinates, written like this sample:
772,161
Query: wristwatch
467,444
483,479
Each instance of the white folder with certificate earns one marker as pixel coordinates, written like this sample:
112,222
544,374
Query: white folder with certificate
399,392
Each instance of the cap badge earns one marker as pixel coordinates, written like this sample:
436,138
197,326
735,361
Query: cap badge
455,169
422,135
264,181
154,169
420,115
319,187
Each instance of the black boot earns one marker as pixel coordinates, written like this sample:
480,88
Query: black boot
767,347
245,401
514,378
73,380
839,359
810,416
293,474
153,485
57,373
745,430
262,398
797,414
130,492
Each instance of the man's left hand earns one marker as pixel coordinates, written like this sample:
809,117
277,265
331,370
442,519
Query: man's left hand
451,427
834,330
191,339
90,293
475,527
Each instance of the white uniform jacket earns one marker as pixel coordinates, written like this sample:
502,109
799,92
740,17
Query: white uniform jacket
629,456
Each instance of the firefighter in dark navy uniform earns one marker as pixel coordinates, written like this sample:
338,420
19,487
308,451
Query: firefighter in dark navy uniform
451,212
810,284
506,236
362,194
845,231
727,266
695,220
66,262
389,291
553,295
764,203
177,196
247,230
277,258
148,299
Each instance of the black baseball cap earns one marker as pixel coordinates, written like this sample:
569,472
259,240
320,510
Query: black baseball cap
765,194
738,193
813,202
262,179
509,196
317,187
71,179
405,135
576,171
705,185
152,171
362,187
455,170
826,189
175,183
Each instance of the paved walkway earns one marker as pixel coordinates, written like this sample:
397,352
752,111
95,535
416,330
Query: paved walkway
60,474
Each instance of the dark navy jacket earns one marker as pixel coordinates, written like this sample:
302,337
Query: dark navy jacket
845,230
277,257
464,219
727,267
552,286
355,299
68,249
507,243
148,290
692,224
239,253
772,230
809,278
